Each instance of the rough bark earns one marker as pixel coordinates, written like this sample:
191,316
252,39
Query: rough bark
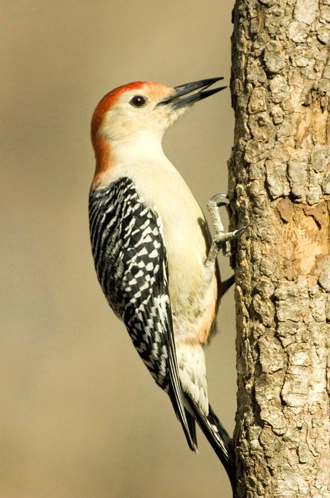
280,187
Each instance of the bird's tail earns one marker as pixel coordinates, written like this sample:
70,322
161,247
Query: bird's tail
217,436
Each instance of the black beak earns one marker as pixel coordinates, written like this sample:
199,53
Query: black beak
181,90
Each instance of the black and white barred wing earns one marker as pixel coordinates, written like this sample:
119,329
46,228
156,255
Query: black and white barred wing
131,265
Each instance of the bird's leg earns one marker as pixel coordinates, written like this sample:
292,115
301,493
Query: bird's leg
221,239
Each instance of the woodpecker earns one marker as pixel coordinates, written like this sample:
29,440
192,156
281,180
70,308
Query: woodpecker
153,252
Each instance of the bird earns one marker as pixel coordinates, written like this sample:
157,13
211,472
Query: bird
154,255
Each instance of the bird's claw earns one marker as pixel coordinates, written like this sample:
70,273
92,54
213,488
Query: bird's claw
214,200
221,239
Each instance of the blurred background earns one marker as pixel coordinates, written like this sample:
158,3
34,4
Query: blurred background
80,415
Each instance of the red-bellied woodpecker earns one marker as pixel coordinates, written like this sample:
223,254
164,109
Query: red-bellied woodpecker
153,252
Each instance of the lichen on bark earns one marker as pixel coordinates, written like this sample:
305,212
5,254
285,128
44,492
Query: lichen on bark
279,186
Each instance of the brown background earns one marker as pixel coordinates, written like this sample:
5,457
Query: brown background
80,415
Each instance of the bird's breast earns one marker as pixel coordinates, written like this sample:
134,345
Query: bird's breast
193,291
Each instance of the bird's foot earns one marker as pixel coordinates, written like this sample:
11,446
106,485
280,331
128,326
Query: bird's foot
221,239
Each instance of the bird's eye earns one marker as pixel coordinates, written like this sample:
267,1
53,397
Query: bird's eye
138,101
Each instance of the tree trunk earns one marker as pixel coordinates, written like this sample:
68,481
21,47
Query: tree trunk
279,186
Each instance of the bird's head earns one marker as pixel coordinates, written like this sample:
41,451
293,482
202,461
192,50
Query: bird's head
142,110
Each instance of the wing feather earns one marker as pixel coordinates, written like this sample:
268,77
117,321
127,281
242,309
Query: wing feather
131,264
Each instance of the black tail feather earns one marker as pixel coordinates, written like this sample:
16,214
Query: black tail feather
192,428
218,438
